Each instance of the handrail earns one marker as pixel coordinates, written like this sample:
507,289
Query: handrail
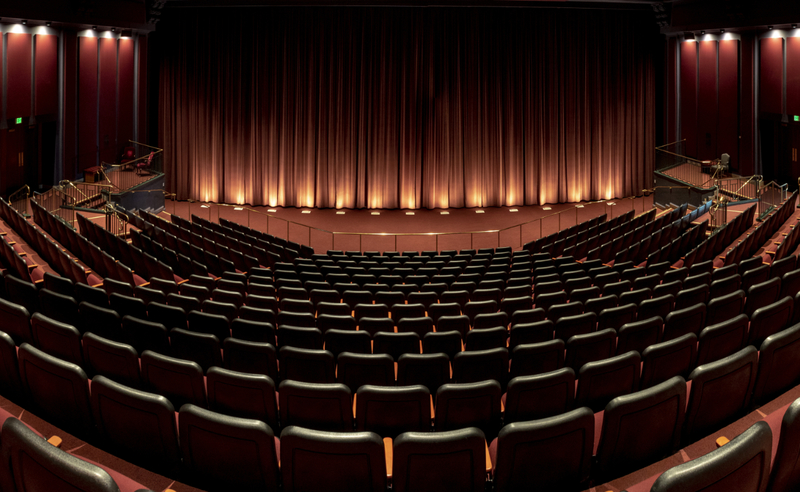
145,145
25,188
660,147
19,199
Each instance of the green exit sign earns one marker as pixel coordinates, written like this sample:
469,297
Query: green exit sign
19,120
796,117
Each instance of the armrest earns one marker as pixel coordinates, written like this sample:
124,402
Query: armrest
389,454
488,458
354,405
433,410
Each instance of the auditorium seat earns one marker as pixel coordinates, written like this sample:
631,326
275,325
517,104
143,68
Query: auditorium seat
689,296
312,366
601,381
722,339
222,451
785,476
181,381
390,411
760,295
590,347
60,307
778,365
463,405
485,339
250,357
553,453
395,344
128,306
720,393
319,406
135,425
116,361
331,461
641,428
536,332
356,370
145,335
768,320
429,370
57,339
202,348
682,321
638,335
481,365
58,388
33,464
436,461
539,396
245,395
742,464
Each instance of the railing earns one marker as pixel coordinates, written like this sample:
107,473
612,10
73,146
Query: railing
19,200
116,221
322,240
59,203
770,196
125,176
743,188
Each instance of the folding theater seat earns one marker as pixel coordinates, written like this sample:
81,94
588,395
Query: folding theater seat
35,465
722,339
313,366
539,396
251,357
244,395
136,425
222,451
336,462
57,339
395,344
601,381
434,461
316,406
145,335
356,370
429,370
390,411
116,361
556,452
778,365
469,405
181,381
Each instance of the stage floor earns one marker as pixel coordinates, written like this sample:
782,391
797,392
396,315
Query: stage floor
397,230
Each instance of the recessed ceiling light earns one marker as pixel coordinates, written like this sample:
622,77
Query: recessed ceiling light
94,28
769,27
702,32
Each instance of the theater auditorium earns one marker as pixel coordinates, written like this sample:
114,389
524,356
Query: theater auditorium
472,245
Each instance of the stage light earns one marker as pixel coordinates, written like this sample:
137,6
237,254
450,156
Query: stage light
48,23
610,203
306,212
547,208
94,28
339,213
204,206
513,210
238,209
113,29
480,212
722,31
444,213
24,22
702,32
271,210
769,27
578,206
409,213
374,213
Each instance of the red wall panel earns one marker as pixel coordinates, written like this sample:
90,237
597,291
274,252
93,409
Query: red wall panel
746,164
771,79
672,91
728,100
18,62
70,105
1,77
143,137
125,122
46,74
707,101
108,99
87,102
793,76
688,80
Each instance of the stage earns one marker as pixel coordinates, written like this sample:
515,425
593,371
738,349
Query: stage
402,230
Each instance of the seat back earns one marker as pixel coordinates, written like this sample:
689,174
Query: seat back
57,338
778,365
389,411
553,453
469,405
582,349
250,357
665,360
601,381
356,370
481,365
429,370
734,376
682,321
769,319
16,321
314,460
319,406
785,475
722,339
641,428
224,451
539,396
244,395
28,459
312,366
742,464
179,380
139,426
639,335
116,361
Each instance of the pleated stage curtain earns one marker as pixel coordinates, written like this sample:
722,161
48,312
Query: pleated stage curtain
373,107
